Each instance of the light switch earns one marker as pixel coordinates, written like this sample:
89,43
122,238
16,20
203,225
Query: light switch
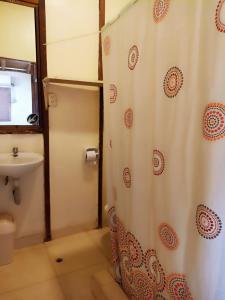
52,100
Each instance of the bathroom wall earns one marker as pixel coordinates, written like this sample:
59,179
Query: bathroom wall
16,19
74,122
74,183
74,58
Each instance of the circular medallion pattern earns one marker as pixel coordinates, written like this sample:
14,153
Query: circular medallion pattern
127,177
168,236
112,93
114,246
158,162
142,286
112,219
121,233
107,45
173,82
126,272
214,121
208,223
160,10
177,287
133,57
134,250
155,270
219,18
128,118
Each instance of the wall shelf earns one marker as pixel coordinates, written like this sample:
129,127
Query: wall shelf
47,81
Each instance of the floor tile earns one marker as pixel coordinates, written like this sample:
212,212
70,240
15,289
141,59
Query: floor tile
47,290
101,237
77,285
78,252
30,266
104,287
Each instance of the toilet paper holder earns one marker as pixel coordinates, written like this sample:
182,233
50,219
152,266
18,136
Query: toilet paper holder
97,154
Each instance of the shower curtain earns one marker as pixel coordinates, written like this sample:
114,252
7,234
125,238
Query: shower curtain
164,81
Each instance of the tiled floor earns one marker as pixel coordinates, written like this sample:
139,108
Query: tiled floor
35,274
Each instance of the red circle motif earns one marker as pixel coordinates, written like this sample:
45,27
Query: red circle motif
208,223
112,93
177,287
133,57
168,236
160,10
142,286
158,162
134,250
112,219
219,23
127,177
107,45
214,121
128,118
155,270
173,82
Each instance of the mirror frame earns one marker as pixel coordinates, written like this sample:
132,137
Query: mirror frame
40,30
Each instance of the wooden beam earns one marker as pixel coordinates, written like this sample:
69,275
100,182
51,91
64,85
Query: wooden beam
73,82
42,72
101,24
29,3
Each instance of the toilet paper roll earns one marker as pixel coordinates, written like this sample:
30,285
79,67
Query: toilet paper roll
91,156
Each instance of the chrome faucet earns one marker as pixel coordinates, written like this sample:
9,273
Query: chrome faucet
15,151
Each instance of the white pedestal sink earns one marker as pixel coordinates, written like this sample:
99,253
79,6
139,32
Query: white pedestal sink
16,167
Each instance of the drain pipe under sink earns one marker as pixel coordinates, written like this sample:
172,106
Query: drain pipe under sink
16,191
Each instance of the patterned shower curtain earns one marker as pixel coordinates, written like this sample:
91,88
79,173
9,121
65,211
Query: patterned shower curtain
164,79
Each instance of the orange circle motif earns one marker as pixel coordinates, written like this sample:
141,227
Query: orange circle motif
168,236
173,82
133,57
160,10
127,177
177,287
219,23
112,93
214,121
128,118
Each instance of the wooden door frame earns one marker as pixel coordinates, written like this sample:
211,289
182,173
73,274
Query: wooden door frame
101,116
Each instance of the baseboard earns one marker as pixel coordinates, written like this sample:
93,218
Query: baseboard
29,240
58,233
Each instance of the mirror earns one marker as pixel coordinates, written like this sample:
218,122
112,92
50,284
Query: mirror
18,67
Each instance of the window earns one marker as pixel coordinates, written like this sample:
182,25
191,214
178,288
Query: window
5,104
18,91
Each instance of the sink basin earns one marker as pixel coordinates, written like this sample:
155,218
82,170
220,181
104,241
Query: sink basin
18,166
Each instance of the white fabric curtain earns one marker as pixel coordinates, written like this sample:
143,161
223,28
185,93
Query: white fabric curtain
164,80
